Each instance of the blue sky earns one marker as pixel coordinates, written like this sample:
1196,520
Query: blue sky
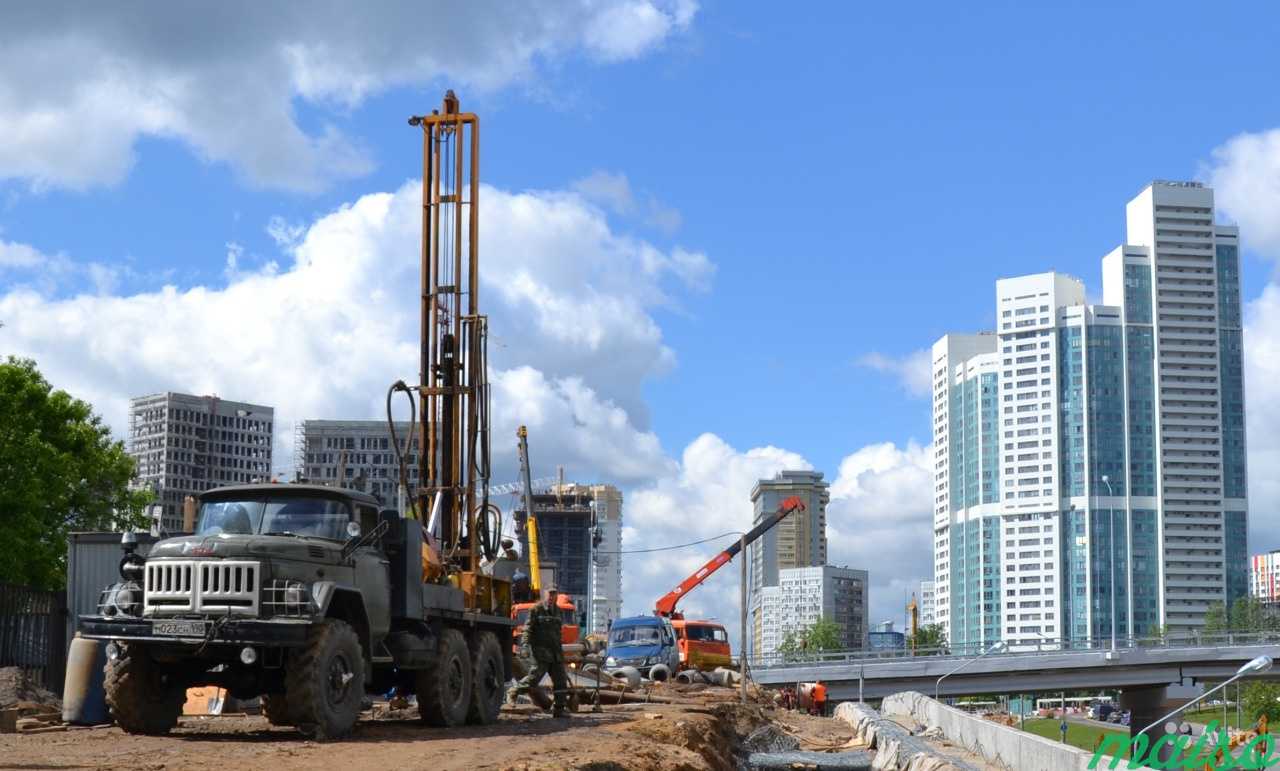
858,175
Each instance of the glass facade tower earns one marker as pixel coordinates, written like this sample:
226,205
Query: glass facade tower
1107,471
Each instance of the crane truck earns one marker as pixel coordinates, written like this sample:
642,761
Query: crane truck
312,596
670,640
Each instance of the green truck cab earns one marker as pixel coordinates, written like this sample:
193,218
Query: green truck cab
307,596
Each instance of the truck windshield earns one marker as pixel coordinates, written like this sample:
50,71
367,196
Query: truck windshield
304,516
634,635
705,633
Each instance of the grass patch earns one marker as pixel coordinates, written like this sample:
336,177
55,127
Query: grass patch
1083,736
1203,716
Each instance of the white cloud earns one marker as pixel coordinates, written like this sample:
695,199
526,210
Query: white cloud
613,191
1262,392
880,518
609,189
705,494
912,370
569,300
226,80
1245,176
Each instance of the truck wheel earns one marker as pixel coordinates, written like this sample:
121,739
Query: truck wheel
140,699
324,681
444,690
488,685
275,708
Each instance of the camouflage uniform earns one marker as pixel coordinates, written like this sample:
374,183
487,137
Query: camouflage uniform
541,639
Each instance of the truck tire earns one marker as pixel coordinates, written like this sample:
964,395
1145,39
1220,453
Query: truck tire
324,681
275,708
139,698
488,685
444,690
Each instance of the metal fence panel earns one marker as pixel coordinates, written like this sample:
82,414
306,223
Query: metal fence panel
33,633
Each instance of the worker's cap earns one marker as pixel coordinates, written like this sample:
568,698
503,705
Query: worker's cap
551,590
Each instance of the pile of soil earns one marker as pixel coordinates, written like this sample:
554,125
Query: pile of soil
16,687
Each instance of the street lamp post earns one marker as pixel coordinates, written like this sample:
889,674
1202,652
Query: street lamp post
937,687
1111,513
1260,664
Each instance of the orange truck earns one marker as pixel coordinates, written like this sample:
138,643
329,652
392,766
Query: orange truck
705,644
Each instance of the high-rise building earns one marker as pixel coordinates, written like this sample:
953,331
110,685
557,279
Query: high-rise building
798,541
359,454
606,558
566,533
927,604
1264,577
1091,455
186,444
804,595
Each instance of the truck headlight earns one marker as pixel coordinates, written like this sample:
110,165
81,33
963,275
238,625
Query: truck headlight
287,598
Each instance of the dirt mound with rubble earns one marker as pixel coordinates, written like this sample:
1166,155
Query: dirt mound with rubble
17,688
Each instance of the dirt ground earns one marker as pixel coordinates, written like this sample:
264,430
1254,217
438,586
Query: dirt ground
701,731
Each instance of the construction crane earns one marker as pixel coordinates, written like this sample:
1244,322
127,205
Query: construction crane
666,606
531,520
507,488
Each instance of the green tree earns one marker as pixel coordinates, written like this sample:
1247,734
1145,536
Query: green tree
928,639
1215,619
1248,614
824,635
59,472
1260,698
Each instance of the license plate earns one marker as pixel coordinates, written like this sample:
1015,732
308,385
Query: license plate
178,628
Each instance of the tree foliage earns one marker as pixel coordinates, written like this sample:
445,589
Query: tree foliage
928,639
1246,615
1260,698
822,635
59,472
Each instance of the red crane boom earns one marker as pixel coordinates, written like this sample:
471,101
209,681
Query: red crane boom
667,605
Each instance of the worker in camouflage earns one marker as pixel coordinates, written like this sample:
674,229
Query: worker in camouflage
541,640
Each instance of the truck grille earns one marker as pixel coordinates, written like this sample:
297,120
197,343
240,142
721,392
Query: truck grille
201,586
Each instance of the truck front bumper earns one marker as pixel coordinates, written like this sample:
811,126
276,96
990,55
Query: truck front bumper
273,633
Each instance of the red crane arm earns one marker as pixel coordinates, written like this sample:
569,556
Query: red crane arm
667,605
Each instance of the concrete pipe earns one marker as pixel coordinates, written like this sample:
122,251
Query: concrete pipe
630,675
660,673
688,677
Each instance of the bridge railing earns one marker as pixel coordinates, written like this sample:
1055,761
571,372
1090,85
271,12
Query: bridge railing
1015,648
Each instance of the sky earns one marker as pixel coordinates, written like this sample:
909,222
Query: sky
717,238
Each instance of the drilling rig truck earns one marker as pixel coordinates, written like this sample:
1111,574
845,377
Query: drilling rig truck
311,596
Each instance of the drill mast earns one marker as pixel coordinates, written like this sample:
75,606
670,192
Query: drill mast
454,391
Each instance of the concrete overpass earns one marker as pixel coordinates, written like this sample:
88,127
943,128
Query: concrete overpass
1045,669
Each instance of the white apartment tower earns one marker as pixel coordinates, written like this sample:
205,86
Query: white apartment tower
1119,432
804,595
927,605
360,454
606,558
185,444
